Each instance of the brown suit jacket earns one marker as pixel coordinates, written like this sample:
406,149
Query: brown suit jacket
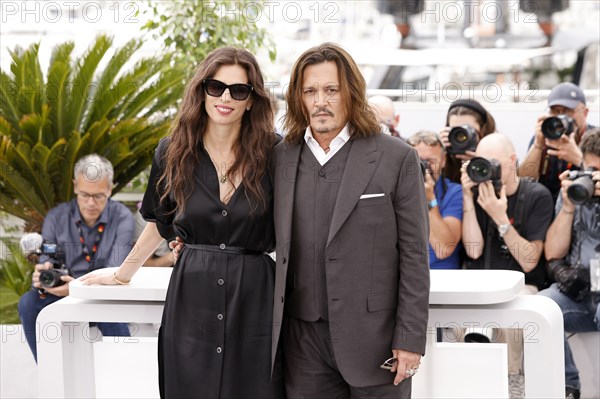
377,266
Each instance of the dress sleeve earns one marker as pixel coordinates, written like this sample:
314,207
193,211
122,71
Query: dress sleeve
152,209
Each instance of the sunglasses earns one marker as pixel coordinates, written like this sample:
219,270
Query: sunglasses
388,364
238,91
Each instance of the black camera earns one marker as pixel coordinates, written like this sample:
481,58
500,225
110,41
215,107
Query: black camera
582,188
481,170
425,167
52,277
462,138
555,126
572,281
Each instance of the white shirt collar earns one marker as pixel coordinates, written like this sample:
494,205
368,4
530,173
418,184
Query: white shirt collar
336,144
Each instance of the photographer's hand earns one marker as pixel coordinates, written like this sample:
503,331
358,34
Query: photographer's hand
596,178
35,277
444,136
61,290
467,185
565,148
495,207
565,182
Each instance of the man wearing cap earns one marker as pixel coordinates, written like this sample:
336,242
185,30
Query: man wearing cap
547,159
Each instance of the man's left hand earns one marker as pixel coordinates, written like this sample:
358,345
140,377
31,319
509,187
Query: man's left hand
492,205
61,290
406,361
565,148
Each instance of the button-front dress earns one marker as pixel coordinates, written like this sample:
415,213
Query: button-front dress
215,336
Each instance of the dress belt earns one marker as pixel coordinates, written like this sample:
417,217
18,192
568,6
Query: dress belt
225,249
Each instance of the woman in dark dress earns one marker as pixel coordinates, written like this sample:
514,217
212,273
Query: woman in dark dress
209,185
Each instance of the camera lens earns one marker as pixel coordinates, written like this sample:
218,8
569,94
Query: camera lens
556,126
581,190
479,170
51,278
460,136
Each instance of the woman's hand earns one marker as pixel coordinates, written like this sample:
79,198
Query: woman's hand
177,246
101,277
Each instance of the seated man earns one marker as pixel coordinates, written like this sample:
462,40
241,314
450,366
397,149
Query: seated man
444,200
504,227
572,244
91,231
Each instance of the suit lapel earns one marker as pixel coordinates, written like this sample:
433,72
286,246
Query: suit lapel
361,164
285,187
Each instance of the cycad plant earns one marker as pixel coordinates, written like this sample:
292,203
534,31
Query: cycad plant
48,121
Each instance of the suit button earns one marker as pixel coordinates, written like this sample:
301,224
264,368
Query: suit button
219,349
222,246
221,281
220,316
284,261
281,299
224,213
322,173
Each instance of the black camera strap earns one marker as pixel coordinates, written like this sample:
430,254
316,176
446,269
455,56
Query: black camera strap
89,257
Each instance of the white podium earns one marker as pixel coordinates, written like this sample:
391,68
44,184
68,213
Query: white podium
458,298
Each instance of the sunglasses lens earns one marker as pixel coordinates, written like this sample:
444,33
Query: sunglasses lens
214,88
239,92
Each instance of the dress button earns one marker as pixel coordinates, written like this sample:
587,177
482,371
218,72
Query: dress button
221,281
222,246
224,213
219,349
220,316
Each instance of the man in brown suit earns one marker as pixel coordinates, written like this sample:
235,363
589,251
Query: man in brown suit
352,277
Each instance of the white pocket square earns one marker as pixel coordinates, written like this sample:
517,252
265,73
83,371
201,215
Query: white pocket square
365,196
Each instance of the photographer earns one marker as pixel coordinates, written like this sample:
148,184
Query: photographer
444,200
90,232
504,227
572,244
554,147
472,122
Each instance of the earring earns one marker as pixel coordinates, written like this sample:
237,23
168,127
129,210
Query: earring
248,108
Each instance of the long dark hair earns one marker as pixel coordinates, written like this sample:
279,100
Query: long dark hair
353,90
251,150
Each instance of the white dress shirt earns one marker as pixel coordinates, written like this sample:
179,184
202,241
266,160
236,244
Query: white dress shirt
336,144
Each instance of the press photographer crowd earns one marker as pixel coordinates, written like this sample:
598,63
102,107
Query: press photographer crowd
486,208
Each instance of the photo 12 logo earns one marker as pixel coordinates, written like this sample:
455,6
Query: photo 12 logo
68,11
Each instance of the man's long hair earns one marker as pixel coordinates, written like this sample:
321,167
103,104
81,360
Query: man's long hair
257,134
353,89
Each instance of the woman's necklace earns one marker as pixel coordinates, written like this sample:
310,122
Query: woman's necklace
222,175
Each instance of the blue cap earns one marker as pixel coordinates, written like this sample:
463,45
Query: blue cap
566,94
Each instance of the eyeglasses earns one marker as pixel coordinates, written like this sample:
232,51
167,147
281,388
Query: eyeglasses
97,197
238,91
388,364
427,138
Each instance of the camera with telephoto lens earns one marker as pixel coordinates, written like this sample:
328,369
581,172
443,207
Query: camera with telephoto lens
555,126
583,186
52,277
481,170
462,138
573,281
